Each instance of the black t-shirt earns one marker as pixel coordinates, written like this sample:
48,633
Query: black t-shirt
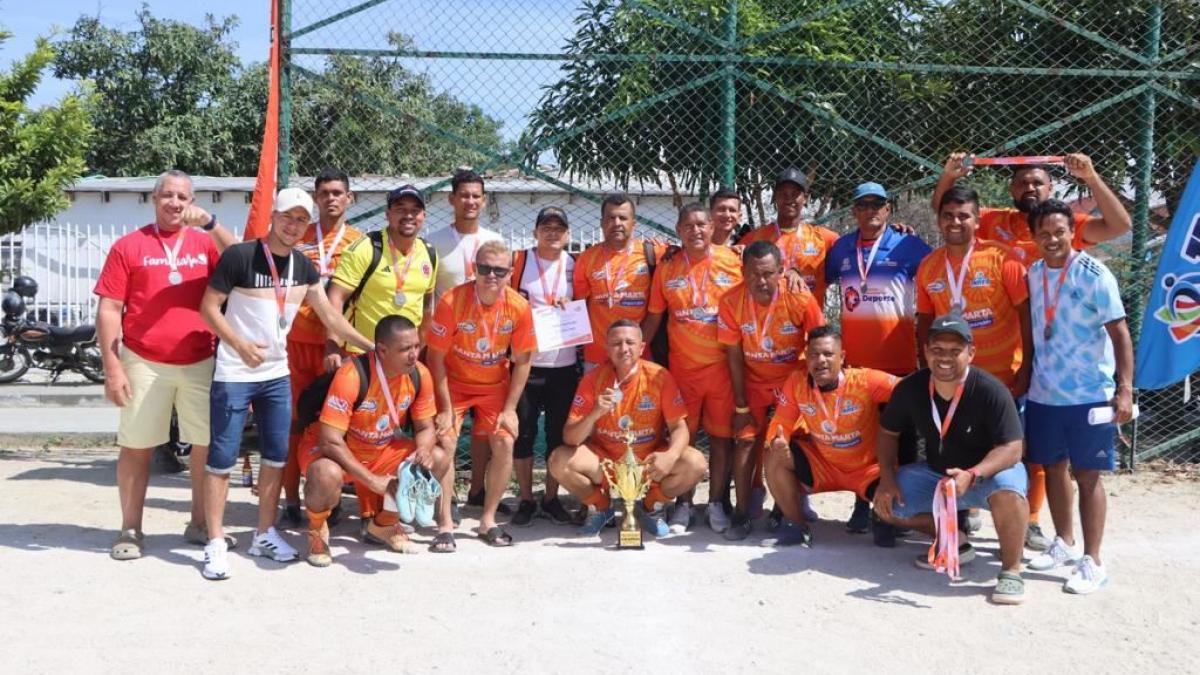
986,417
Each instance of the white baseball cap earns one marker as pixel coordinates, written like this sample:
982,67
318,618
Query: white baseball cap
290,198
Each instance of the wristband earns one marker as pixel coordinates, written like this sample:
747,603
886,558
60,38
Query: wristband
208,227
741,410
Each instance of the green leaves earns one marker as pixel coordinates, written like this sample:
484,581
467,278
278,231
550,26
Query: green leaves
41,151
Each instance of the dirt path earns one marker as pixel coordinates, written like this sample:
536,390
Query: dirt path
554,603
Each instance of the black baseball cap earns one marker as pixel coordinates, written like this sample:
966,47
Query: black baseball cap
792,175
405,191
549,212
951,323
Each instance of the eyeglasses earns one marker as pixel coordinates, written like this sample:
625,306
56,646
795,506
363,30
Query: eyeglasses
870,204
491,270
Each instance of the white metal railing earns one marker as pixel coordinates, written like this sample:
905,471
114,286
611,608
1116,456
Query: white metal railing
65,259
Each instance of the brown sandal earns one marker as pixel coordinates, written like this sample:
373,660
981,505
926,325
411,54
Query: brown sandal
128,545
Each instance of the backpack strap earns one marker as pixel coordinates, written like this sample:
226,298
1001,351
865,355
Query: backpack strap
648,251
520,259
376,238
364,378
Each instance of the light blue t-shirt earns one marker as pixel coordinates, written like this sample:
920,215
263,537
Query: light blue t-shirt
1077,364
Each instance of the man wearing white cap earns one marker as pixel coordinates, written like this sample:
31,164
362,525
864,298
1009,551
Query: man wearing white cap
261,285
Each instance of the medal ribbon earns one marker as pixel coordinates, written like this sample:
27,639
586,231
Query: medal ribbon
400,275
760,332
171,253
837,402
558,268
865,268
322,258
495,324
619,385
626,255
387,393
956,283
280,289
943,552
943,426
699,290
1049,309
468,264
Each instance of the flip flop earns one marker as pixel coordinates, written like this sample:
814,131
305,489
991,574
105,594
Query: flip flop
405,492
443,543
428,492
496,536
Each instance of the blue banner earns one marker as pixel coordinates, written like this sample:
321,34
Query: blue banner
1169,348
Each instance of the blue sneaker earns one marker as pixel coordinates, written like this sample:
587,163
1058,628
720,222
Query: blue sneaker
655,522
595,521
790,534
428,492
406,491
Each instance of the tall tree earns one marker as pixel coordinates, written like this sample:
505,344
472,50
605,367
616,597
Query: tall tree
41,151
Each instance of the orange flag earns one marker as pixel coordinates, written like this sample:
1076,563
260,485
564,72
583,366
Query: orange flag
261,204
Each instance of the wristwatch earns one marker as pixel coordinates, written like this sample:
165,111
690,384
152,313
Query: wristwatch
207,227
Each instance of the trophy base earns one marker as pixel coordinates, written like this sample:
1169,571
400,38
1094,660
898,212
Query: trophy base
630,540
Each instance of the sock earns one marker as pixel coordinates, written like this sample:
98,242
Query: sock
386,518
1037,491
317,518
598,498
654,497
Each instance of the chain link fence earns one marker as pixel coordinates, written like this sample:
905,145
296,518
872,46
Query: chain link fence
562,102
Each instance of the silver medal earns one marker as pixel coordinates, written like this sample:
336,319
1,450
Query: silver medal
282,323
175,277
956,308
400,299
617,395
625,422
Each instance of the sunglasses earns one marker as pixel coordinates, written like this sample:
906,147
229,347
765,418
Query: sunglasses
491,270
870,204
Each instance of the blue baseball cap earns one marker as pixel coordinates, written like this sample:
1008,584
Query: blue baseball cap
869,190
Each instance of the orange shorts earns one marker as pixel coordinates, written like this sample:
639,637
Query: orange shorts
485,409
708,396
829,477
382,463
306,362
617,454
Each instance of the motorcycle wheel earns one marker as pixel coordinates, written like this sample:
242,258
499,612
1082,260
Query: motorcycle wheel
14,362
90,364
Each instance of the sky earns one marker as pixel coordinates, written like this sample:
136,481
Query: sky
505,89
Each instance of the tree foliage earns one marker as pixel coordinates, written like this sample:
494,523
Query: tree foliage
169,94
832,94
41,151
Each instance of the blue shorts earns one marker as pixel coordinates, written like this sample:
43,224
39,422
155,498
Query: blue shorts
1060,433
918,482
229,404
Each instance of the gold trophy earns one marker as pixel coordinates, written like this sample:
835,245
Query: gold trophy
627,478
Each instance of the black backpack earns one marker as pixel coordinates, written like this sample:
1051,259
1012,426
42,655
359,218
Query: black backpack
312,399
376,238
659,347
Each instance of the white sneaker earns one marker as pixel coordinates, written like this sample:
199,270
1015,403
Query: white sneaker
216,560
1088,577
270,545
681,517
810,514
1058,555
718,520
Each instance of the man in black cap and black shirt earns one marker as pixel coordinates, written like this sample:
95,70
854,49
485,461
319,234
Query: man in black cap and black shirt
972,435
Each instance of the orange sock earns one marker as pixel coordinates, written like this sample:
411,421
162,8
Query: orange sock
386,518
1037,490
598,498
654,496
317,518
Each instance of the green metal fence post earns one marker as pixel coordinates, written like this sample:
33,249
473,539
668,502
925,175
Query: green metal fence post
1142,185
729,101
283,171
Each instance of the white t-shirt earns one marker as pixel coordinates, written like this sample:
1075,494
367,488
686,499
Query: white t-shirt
561,272
454,251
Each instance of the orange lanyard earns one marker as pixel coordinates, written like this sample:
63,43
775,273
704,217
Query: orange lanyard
1049,309
401,275
468,263
829,422
956,283
864,267
699,290
484,344
322,258
550,294
761,330
616,282
943,426
280,289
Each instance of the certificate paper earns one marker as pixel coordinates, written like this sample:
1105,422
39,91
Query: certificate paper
556,328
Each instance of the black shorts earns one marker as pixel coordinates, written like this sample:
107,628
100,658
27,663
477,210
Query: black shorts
548,390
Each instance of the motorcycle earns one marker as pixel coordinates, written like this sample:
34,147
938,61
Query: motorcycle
26,343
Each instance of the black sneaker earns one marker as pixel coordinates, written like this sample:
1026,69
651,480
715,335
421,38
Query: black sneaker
739,528
860,519
883,533
774,518
969,521
526,510
292,515
554,510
